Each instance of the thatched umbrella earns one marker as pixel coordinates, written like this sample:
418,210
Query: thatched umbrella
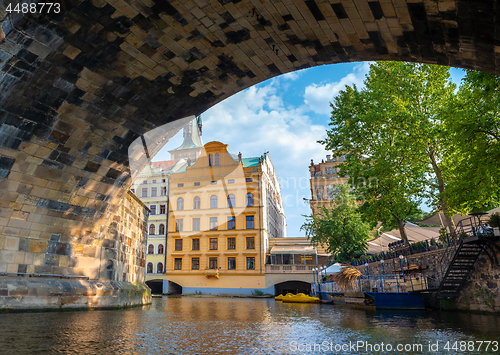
347,278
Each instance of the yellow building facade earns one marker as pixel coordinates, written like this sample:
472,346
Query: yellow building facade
223,211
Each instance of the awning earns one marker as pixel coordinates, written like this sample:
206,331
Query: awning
293,249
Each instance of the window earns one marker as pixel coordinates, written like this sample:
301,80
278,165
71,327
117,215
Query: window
249,199
210,159
162,209
154,191
162,180
196,224
153,182
163,191
216,158
250,243
150,268
180,204
180,185
231,263
178,264
250,222
213,243
161,229
231,201
133,190
153,209
196,203
251,263
179,225
230,181
159,268
319,194
195,244
248,179
231,222
151,229
231,243
178,244
144,181
195,263
212,263
213,182
151,249
196,184
213,201
144,192
160,249
213,223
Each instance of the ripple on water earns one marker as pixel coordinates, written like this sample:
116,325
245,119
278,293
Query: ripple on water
186,325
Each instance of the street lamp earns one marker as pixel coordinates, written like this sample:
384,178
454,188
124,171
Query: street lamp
383,275
402,268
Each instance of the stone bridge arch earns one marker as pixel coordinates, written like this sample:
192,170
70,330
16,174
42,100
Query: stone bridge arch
79,86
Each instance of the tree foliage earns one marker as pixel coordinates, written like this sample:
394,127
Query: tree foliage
393,131
473,153
339,226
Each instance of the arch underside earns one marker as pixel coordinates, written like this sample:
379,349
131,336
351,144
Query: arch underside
78,87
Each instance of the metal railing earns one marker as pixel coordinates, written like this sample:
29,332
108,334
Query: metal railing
290,268
384,283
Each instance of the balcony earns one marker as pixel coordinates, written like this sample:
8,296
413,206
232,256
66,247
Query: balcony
290,269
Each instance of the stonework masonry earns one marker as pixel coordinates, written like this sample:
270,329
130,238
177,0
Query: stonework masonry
481,293
79,86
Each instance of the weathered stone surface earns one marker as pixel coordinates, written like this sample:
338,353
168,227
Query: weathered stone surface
20,293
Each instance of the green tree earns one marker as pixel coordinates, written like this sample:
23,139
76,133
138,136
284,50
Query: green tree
393,130
339,226
473,154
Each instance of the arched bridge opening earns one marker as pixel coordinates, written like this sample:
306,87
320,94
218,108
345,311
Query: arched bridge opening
294,287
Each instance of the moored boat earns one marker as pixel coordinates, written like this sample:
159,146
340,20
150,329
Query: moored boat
299,298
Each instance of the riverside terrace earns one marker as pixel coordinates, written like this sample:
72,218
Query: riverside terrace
77,87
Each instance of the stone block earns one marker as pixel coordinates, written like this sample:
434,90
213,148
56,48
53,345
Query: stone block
7,256
11,243
38,246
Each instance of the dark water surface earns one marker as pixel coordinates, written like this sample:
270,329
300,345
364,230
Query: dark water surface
245,326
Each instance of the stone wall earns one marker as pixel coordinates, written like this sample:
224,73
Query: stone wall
78,263
480,293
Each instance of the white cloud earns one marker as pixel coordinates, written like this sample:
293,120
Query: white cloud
318,96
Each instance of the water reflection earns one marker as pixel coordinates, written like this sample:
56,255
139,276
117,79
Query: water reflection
234,326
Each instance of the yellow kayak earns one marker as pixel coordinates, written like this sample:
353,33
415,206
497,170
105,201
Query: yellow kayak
280,297
299,298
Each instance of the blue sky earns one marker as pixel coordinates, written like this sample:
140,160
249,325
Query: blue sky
285,115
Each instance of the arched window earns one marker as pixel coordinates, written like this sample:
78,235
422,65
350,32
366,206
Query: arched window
151,229
319,194
159,268
213,201
196,203
210,159
160,248
216,159
151,249
150,268
249,200
161,229
231,201
180,204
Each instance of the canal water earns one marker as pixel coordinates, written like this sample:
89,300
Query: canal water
201,325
